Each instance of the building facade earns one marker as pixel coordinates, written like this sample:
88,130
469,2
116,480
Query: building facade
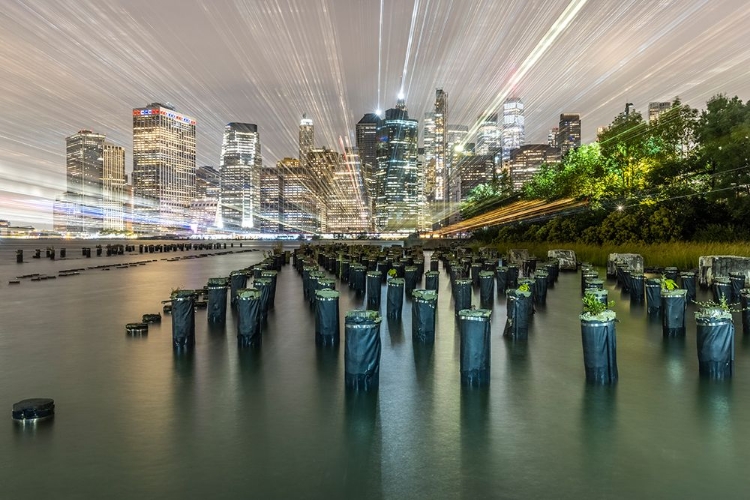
514,132
657,108
95,180
113,187
367,146
306,137
348,210
298,203
163,168
240,169
527,160
205,206
396,203
569,132
488,135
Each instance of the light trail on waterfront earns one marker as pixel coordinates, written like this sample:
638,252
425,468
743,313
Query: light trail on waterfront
85,64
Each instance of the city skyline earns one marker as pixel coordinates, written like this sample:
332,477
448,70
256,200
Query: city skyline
613,52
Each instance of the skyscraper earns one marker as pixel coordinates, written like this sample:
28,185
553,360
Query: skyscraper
348,211
367,146
513,126
113,187
298,205
488,136
552,137
95,179
306,137
441,151
84,169
396,204
240,168
163,168
657,108
569,132
205,206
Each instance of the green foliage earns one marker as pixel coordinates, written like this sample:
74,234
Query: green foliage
668,284
524,287
593,306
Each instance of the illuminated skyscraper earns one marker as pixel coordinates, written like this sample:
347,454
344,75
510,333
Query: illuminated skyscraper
163,168
552,137
240,176
306,137
396,204
205,206
569,132
527,160
95,178
298,205
488,136
113,187
441,144
348,211
367,146
82,202
513,126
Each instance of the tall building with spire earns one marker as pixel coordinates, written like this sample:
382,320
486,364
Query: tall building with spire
397,178
513,126
163,168
240,170
306,137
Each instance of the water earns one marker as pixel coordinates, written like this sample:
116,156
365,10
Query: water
136,421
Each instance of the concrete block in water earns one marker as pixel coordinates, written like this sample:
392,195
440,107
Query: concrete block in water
634,261
711,266
567,258
517,256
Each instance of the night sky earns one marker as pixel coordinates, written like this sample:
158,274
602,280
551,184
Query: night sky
85,64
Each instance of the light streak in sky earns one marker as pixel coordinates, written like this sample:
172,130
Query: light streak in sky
380,54
415,10
545,43
85,64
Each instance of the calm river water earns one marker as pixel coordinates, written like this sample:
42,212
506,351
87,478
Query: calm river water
134,420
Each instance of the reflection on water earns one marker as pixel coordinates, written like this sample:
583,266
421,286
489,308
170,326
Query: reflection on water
362,472
136,419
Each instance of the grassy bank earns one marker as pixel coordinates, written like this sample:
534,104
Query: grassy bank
680,254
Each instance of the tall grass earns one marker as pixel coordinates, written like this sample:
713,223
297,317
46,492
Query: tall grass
679,254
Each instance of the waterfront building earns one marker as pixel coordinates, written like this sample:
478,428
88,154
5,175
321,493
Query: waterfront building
569,132
113,187
397,183
527,160
240,169
298,202
348,209
163,168
205,206
514,133
271,189
95,176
